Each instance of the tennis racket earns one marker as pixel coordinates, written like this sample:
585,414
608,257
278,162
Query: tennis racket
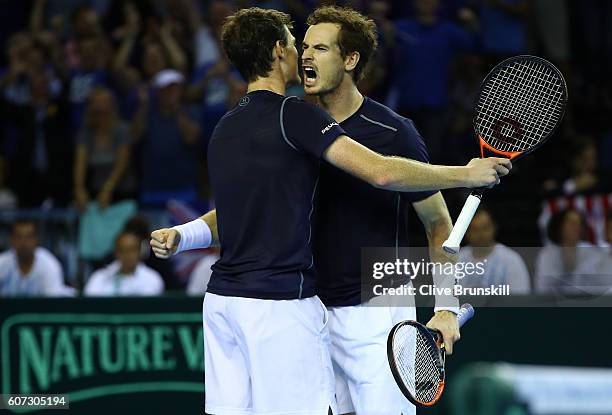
520,105
416,356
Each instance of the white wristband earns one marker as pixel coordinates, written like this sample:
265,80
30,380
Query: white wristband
195,234
451,309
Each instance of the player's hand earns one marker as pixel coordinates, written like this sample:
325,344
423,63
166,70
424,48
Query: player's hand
164,242
486,172
446,323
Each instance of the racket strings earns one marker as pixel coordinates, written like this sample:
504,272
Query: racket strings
524,98
520,105
515,106
418,363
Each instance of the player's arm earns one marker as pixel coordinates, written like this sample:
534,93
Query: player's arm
199,233
405,175
434,215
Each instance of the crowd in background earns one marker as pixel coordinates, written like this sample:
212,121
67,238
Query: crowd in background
97,96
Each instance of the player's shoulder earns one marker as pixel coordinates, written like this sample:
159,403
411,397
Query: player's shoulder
376,113
300,104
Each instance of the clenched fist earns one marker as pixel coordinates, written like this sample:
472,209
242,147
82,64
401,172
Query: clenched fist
165,242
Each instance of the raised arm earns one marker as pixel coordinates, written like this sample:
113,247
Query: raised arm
405,175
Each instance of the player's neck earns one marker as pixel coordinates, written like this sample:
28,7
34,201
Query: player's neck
343,101
271,83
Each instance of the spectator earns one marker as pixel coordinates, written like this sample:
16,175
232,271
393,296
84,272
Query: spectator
93,54
168,132
140,226
503,27
13,82
217,88
8,200
569,264
126,276
102,156
37,144
198,281
29,270
425,49
84,23
502,265
584,176
604,282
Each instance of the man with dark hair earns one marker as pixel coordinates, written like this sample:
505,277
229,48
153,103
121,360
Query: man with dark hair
127,275
264,328
336,50
28,269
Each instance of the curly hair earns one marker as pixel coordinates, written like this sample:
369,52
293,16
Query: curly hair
358,33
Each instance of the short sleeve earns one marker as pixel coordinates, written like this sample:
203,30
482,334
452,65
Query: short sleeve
308,128
409,144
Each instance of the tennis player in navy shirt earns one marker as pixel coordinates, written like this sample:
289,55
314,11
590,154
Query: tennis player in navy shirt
266,342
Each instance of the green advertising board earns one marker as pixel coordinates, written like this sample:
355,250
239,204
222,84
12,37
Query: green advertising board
145,355
105,353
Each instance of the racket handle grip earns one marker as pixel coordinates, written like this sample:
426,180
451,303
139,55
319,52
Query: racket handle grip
452,244
466,312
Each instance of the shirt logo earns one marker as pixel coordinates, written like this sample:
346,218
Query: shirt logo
244,101
329,127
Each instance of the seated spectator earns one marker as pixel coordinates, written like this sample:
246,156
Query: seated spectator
140,226
584,176
8,200
168,132
28,270
604,274
502,265
126,276
569,264
198,281
102,155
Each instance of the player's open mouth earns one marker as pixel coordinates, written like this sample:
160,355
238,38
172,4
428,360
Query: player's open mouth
310,75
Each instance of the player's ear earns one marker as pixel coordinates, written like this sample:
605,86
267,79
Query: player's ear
351,61
279,49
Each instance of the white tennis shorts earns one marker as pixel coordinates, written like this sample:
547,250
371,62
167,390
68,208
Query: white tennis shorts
364,383
267,357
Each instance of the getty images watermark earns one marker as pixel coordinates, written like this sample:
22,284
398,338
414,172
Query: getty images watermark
498,276
403,270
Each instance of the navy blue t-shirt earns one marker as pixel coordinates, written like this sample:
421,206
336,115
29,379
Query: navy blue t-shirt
352,214
263,160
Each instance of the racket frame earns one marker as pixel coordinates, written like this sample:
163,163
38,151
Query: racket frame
516,154
466,313
453,243
434,343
